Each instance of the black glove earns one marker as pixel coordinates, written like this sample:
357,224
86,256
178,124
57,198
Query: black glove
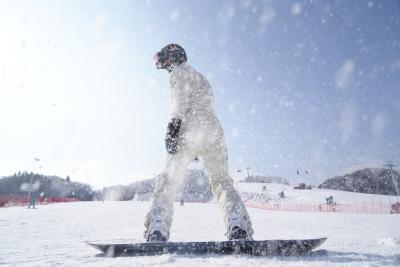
171,138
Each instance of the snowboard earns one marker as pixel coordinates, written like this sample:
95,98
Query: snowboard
258,248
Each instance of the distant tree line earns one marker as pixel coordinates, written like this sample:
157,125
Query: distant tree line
46,186
369,180
196,187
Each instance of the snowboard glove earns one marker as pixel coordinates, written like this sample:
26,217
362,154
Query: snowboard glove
172,136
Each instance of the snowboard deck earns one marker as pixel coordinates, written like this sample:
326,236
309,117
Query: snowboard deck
259,248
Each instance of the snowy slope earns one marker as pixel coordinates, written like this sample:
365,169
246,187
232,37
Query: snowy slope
54,235
315,195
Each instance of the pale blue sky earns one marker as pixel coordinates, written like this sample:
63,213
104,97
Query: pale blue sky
299,85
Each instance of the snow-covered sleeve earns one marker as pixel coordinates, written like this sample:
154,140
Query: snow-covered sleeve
180,88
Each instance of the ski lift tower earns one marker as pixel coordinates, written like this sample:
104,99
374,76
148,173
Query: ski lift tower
248,173
390,165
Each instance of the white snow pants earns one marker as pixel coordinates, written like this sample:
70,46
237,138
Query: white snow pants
201,135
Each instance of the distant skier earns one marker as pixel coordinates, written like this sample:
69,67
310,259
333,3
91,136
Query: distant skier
264,188
329,200
182,202
194,130
32,201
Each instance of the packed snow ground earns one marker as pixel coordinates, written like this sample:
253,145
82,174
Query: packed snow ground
55,235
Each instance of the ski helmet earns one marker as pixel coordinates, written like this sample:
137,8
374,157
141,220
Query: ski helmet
170,56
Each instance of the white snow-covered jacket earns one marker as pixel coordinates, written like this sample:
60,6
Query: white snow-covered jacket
191,93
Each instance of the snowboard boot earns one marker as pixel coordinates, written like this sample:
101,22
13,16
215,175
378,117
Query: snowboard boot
237,233
237,230
156,236
157,231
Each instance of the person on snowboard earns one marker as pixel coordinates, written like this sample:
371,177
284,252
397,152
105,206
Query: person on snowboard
193,131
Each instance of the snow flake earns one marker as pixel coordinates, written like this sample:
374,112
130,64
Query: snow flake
100,22
265,19
378,124
343,77
296,9
175,14
253,109
232,107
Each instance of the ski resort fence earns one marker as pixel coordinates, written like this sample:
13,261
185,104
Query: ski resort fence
6,201
309,206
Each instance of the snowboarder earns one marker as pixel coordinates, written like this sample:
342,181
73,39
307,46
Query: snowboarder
193,131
